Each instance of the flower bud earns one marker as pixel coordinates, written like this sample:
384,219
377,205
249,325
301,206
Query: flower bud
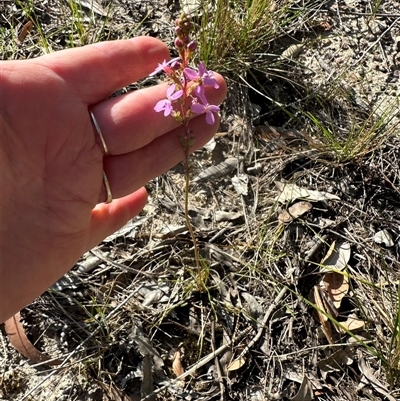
178,30
192,46
178,43
176,65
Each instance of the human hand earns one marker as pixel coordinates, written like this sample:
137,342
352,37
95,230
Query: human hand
52,158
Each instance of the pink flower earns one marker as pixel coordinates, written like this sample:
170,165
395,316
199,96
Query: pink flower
200,93
164,66
209,109
166,104
204,76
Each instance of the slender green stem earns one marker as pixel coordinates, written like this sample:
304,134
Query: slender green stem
185,49
187,217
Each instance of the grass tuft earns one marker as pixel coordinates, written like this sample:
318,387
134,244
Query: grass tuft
234,36
345,135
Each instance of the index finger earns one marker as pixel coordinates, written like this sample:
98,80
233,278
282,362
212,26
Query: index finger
96,71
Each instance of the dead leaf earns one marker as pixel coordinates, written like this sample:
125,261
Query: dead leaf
384,237
21,343
336,360
295,211
177,363
227,257
24,32
291,192
326,326
305,392
153,293
88,264
337,286
240,183
368,373
353,323
221,215
256,311
211,144
337,258
225,360
236,364
218,171
329,306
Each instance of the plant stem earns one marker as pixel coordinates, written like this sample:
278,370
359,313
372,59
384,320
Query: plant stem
187,217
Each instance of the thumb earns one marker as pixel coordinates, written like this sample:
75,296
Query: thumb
108,218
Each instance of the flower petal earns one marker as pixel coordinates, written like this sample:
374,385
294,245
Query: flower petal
162,65
160,106
176,95
202,68
213,108
159,68
198,108
210,119
200,93
167,109
170,90
190,74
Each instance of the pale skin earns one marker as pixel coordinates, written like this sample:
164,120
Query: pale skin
52,192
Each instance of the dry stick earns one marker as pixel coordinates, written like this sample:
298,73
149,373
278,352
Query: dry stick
79,347
217,364
264,322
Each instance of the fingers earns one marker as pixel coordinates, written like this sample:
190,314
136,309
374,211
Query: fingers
128,172
96,71
130,122
106,219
